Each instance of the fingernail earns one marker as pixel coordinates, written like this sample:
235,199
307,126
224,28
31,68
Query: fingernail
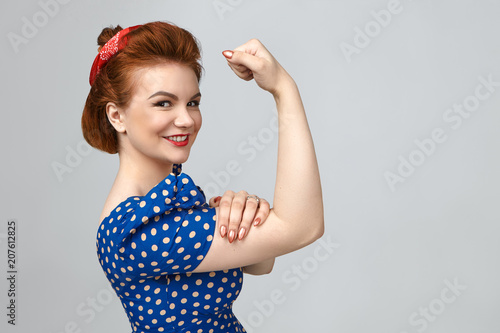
241,234
228,54
217,199
231,236
256,222
223,231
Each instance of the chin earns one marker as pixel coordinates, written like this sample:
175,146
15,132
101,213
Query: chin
177,159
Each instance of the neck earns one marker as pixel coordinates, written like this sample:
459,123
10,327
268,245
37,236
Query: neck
139,173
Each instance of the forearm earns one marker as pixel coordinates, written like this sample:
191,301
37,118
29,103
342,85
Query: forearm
298,195
264,267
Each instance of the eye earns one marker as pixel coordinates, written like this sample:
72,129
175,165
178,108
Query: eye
163,104
194,103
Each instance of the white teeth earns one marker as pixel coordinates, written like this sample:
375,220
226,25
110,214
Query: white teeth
177,138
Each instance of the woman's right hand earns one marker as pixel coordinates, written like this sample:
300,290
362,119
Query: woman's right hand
253,61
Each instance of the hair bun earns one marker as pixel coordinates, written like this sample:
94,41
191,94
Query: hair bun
106,34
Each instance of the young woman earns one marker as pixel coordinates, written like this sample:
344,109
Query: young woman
156,241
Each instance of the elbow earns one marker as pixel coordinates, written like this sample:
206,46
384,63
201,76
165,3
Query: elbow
315,232
262,268
319,231
269,268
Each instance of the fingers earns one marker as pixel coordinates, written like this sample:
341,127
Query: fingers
249,214
253,61
236,215
241,63
238,212
262,213
224,211
214,201
247,58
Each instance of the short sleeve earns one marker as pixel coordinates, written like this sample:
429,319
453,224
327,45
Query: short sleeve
167,231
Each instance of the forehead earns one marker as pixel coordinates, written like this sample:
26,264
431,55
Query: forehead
172,77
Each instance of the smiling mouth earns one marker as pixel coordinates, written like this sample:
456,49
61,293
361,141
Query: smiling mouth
178,140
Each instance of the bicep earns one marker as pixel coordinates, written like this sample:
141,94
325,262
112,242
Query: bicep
269,240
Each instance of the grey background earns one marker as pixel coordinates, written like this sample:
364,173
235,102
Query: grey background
397,250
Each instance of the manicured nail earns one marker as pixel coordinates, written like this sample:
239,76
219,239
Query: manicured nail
223,231
228,54
241,234
231,236
217,199
256,222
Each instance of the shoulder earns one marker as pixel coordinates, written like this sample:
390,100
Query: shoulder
176,191
114,200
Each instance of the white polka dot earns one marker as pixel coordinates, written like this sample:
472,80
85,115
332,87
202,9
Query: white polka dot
142,204
156,209
153,196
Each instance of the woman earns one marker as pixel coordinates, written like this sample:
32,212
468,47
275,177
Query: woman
156,241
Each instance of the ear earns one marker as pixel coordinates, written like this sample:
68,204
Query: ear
115,117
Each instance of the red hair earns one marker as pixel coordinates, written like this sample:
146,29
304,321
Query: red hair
149,45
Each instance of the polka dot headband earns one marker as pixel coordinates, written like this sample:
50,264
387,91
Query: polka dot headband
115,44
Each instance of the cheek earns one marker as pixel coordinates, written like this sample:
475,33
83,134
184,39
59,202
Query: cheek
197,121
146,126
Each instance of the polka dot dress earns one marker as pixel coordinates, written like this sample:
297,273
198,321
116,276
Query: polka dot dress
147,247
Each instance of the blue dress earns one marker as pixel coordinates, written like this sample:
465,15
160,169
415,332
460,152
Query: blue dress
148,246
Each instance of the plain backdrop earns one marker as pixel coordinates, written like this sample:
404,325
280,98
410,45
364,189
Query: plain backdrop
402,99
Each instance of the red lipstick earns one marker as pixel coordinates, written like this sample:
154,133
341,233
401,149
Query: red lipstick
179,140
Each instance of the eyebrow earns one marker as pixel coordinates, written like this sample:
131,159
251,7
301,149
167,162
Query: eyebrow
172,96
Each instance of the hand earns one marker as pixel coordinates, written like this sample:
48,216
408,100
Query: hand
253,61
237,212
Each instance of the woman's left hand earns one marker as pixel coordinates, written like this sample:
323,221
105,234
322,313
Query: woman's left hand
237,213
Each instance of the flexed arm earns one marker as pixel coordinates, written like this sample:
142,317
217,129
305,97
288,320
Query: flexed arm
296,219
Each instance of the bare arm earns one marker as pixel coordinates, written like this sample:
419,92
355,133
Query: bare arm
296,219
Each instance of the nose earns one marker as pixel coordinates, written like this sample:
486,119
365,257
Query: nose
183,118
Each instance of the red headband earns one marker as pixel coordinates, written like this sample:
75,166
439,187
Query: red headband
115,44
